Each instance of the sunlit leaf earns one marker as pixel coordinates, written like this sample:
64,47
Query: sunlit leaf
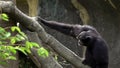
8,34
7,50
28,44
12,49
28,50
11,58
23,34
56,57
43,52
34,44
6,54
13,40
15,28
2,30
4,17
0,42
19,37
22,49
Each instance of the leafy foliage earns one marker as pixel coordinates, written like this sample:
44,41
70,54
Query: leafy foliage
43,52
4,17
9,43
8,46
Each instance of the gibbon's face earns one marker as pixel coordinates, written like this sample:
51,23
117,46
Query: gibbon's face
87,38
86,34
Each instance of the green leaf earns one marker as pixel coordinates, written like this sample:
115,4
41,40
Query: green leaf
13,40
6,54
19,37
5,35
56,57
8,34
22,49
3,56
0,42
28,44
11,58
23,34
4,17
13,28
2,30
2,47
28,50
11,49
34,44
43,52
3,62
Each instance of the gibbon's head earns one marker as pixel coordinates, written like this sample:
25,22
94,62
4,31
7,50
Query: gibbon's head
86,35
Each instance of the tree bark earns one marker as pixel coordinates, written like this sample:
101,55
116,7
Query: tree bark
48,62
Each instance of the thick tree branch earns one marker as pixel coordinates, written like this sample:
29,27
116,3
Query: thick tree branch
31,24
48,62
40,62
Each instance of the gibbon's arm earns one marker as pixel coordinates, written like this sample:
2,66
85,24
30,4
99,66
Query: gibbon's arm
61,27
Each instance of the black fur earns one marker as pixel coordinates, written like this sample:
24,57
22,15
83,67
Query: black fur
97,50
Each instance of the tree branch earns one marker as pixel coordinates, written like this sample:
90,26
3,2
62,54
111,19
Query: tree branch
31,24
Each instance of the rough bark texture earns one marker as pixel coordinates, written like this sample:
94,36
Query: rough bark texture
48,62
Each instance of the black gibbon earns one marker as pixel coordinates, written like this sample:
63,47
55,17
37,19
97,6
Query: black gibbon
97,51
